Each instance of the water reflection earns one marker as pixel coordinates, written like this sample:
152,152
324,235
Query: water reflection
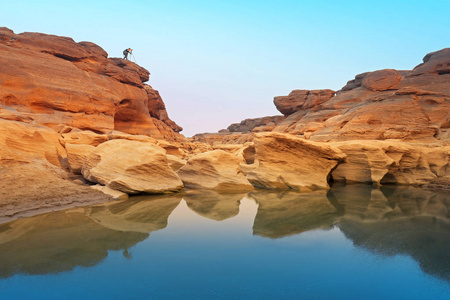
214,205
386,221
287,213
139,214
57,242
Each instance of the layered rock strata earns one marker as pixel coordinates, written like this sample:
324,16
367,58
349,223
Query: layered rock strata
54,81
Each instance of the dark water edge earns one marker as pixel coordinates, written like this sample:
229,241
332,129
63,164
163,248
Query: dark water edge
350,242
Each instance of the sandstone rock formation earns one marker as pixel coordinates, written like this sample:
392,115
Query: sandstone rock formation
57,82
131,167
214,170
386,104
301,100
382,80
286,162
256,125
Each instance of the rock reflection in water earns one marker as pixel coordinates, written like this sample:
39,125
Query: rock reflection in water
60,241
287,213
388,220
57,242
138,214
399,220
214,205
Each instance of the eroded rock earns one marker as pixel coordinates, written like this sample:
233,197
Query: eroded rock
131,167
215,169
286,162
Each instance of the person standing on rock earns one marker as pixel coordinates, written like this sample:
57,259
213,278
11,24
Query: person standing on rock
126,52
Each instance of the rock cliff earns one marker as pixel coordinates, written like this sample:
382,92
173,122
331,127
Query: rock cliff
54,81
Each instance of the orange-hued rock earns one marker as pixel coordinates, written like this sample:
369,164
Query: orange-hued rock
437,62
215,169
385,104
24,143
283,161
76,154
131,167
223,138
32,172
57,82
382,80
396,162
258,124
301,100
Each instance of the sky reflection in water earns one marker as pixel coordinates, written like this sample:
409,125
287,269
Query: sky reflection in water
351,242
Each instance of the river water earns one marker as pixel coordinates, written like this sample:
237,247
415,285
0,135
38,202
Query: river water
351,242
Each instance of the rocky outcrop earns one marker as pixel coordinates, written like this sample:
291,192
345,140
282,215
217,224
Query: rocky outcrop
131,167
386,104
396,162
214,170
286,162
56,82
382,80
215,139
301,100
256,125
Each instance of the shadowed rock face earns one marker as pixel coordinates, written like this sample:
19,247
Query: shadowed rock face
56,82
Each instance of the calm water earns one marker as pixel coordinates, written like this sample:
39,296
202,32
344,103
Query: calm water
352,242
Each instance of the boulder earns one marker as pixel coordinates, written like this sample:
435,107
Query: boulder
248,125
437,62
76,154
382,80
301,100
215,169
131,167
283,161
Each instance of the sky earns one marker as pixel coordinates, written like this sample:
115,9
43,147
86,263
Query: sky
217,62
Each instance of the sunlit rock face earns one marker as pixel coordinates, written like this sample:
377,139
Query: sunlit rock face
214,170
146,170
385,104
381,162
56,82
286,162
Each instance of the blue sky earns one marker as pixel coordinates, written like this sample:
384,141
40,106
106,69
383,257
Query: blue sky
219,62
